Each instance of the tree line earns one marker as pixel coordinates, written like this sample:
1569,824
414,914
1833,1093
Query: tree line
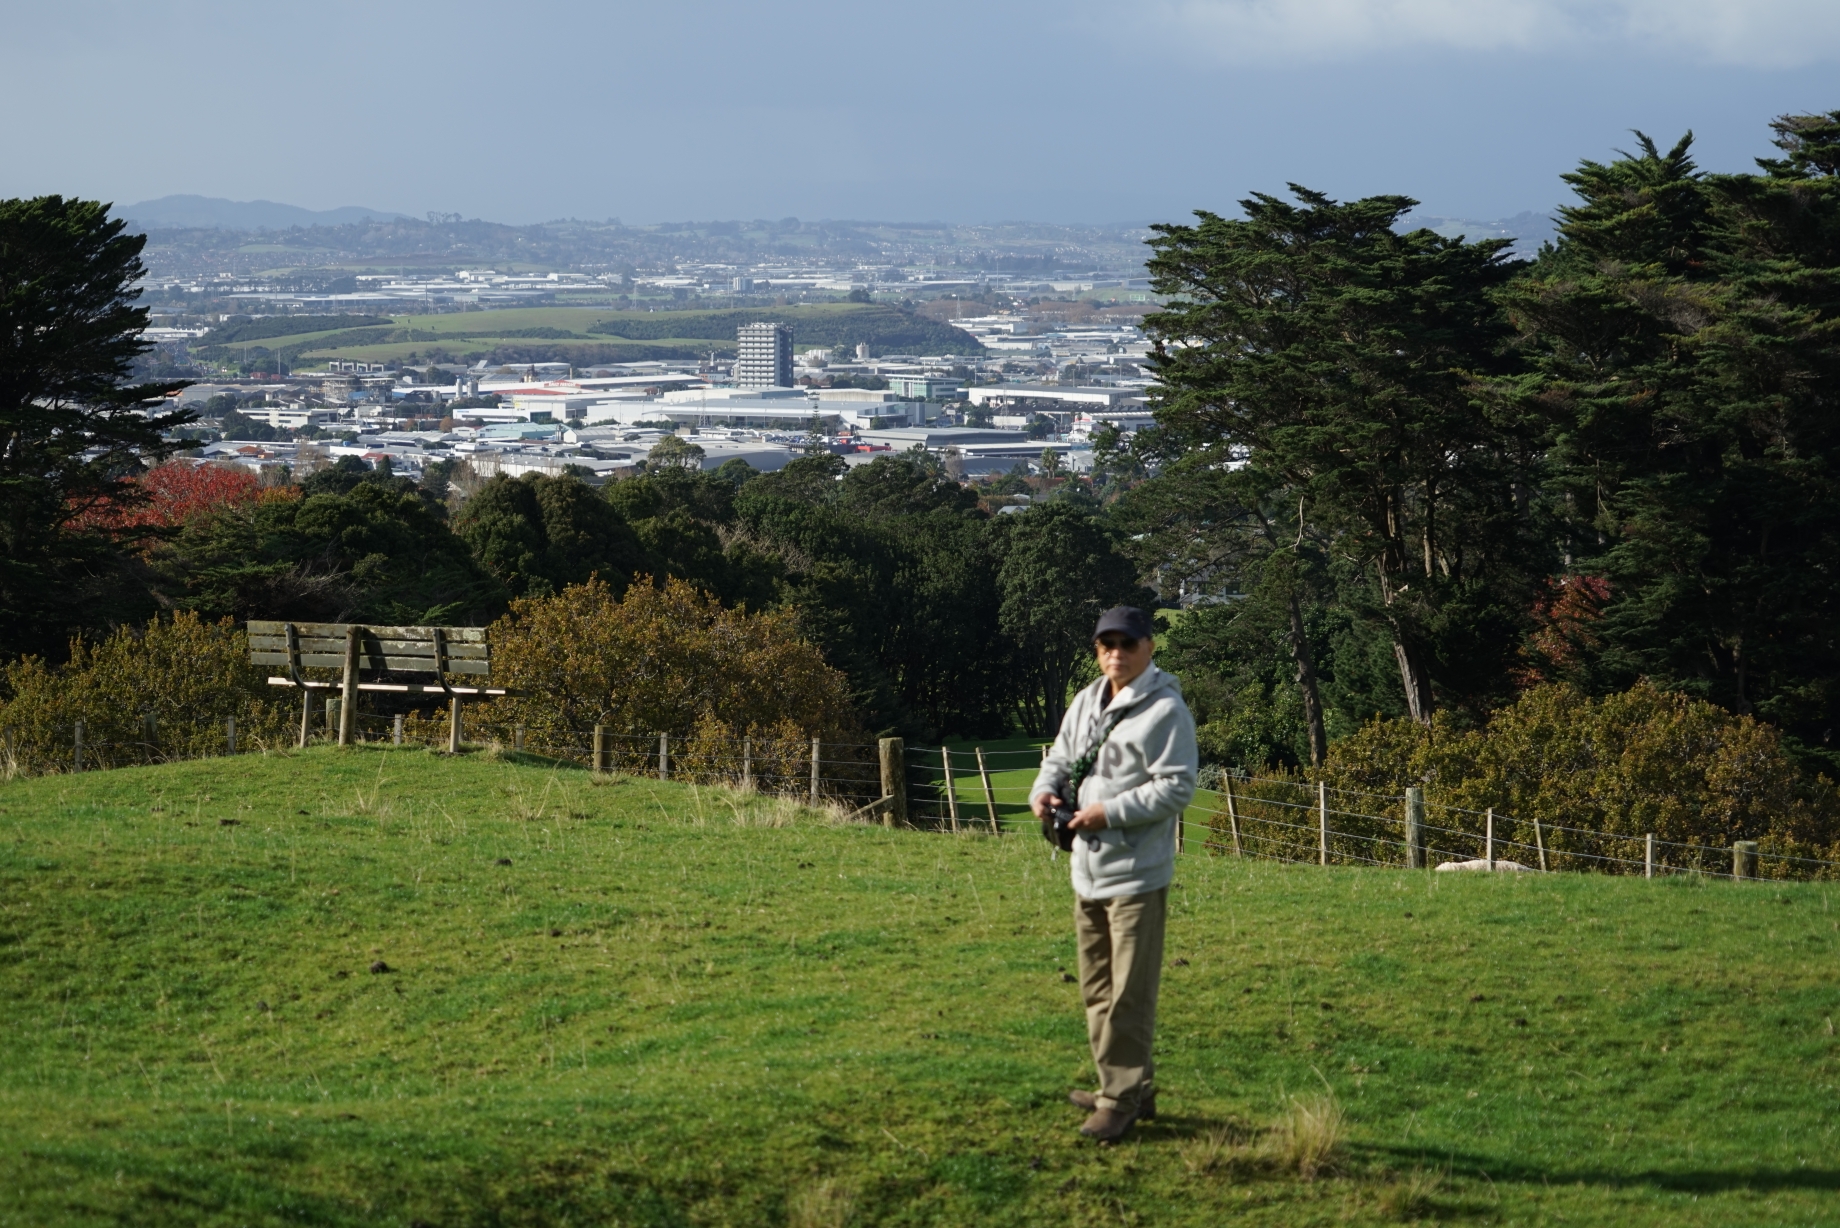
1418,474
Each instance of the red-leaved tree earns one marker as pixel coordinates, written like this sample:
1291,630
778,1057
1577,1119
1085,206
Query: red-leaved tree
170,495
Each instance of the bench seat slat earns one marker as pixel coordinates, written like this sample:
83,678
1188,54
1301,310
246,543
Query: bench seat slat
336,660
394,648
336,631
400,687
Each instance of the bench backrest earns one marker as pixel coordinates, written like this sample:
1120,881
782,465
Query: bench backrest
429,650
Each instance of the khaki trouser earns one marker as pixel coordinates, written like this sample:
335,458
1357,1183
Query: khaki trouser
1121,965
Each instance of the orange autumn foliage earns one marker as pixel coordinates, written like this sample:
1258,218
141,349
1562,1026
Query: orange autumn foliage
664,659
173,493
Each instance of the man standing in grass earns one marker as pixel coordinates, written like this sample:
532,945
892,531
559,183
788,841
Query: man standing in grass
1126,756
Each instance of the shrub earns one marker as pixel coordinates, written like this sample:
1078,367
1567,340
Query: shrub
1645,760
190,675
666,660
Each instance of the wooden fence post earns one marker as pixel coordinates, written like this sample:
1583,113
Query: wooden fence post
1415,828
150,730
453,725
306,715
747,764
1232,816
664,756
77,757
600,749
230,736
332,716
1539,842
817,750
894,781
1743,859
12,755
517,738
1322,821
396,729
1648,856
348,693
945,759
990,796
1488,838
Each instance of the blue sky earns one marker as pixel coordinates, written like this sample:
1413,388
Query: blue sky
1077,111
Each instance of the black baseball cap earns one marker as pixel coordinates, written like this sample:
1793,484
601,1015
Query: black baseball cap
1125,619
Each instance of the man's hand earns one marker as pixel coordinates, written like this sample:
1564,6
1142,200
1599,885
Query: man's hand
1088,818
1044,803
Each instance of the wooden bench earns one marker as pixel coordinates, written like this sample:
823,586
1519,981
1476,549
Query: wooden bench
356,647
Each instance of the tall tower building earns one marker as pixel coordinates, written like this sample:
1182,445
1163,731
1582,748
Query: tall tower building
765,356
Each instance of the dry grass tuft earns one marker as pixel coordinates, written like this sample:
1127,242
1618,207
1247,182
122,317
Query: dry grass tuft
1222,1151
372,803
1308,1140
827,1204
556,800
1410,1196
747,808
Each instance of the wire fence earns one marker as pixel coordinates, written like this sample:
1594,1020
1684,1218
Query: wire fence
970,790
1304,821
816,771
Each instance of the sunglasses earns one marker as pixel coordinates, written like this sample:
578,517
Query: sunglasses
1118,643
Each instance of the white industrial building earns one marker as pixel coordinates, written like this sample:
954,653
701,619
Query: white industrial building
1052,397
291,417
1128,421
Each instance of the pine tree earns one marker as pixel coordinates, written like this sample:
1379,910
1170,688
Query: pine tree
71,423
1684,335
1344,359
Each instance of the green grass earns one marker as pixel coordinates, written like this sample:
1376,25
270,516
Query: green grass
681,1006
481,332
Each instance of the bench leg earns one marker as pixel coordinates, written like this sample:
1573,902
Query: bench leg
453,725
348,703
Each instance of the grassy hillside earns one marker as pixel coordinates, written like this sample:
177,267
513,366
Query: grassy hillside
596,334
639,1003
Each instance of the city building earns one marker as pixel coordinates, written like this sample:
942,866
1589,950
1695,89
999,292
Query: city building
1128,421
923,387
765,356
290,417
1054,397
794,415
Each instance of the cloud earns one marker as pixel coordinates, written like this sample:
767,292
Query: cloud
1751,33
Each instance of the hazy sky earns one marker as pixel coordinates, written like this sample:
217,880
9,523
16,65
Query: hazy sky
1074,110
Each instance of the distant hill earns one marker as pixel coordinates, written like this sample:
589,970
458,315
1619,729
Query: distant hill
215,213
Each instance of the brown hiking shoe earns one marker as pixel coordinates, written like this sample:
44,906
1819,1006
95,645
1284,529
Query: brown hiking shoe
1108,1125
1089,1101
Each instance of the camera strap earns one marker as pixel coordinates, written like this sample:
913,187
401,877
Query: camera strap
1083,766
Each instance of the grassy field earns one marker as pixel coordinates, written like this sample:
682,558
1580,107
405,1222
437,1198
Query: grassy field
385,987
478,333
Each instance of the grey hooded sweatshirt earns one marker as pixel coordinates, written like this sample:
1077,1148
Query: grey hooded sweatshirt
1145,775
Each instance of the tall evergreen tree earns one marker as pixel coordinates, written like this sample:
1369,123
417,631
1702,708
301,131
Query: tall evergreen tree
1684,335
71,423
1342,359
